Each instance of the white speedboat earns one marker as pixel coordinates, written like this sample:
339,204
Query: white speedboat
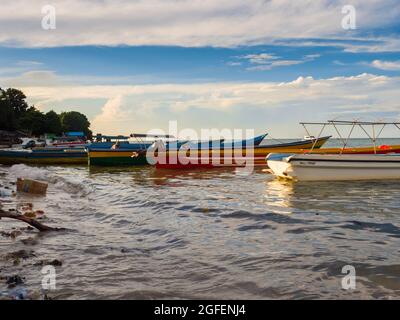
330,167
362,163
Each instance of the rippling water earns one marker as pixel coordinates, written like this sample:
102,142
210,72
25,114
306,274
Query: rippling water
147,233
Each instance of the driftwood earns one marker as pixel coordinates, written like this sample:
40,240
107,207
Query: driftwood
30,221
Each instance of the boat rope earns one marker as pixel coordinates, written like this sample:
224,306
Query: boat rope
274,139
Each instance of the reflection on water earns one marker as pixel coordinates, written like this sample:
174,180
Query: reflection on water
147,233
364,197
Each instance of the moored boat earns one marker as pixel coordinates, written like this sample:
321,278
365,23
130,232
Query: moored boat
229,157
48,157
67,142
244,143
125,142
362,163
118,157
119,152
122,156
106,142
331,167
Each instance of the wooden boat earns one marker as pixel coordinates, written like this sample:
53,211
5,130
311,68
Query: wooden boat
176,145
361,163
383,149
118,157
121,152
242,144
106,142
211,144
67,156
331,167
123,142
122,156
67,143
225,157
126,156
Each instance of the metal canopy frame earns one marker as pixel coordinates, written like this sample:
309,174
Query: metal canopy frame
353,124
140,137
144,135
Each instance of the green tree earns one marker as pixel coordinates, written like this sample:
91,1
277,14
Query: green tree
52,123
75,121
7,115
16,114
17,101
33,120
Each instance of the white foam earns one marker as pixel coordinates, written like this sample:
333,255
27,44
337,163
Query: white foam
67,184
24,171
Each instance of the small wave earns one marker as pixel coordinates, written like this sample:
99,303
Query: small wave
67,184
273,217
23,171
388,228
255,227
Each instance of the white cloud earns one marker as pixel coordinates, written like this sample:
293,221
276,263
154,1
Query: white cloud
312,56
352,44
20,67
38,78
260,58
386,65
234,63
29,63
277,106
186,22
273,64
339,63
267,61
110,112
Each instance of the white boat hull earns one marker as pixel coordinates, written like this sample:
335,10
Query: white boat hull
326,167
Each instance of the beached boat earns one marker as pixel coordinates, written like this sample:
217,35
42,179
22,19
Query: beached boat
228,157
347,164
48,157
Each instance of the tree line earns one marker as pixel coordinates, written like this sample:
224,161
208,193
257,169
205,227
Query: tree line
16,114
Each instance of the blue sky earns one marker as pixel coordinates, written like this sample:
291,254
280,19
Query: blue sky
166,64
266,65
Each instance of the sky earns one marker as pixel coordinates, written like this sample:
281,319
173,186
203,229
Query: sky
132,66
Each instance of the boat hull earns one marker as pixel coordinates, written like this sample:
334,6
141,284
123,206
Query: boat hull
238,157
43,157
116,158
123,144
336,167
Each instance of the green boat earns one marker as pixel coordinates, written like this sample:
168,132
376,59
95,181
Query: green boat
118,157
122,154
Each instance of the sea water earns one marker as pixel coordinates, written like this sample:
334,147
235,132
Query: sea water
143,233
